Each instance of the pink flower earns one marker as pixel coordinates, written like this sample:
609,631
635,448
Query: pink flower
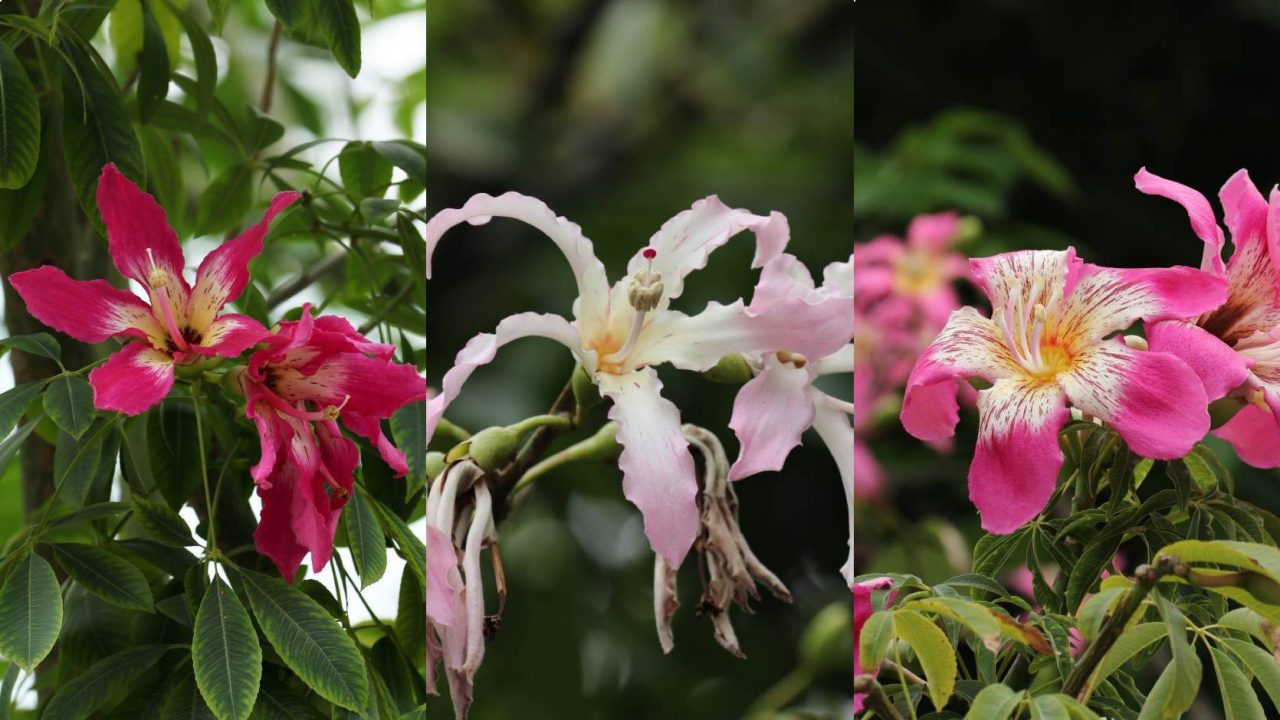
862,610
1046,345
311,374
775,407
1236,348
621,332
180,324
922,270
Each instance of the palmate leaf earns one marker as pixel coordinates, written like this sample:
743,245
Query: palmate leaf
78,698
161,523
225,654
19,122
412,548
104,574
409,156
309,641
340,27
1238,700
69,403
96,128
39,344
365,173
409,429
14,402
30,612
1261,664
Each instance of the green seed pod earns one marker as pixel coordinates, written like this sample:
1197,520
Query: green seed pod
493,447
730,370
585,392
435,465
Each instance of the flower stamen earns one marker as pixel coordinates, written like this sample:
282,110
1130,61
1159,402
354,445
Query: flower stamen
158,279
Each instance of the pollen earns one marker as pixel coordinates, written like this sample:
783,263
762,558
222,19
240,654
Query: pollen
645,290
157,278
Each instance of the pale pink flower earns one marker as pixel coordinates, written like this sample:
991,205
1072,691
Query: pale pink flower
1046,345
180,324
619,333
922,269
1235,349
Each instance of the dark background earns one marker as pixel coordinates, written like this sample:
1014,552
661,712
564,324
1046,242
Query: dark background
620,115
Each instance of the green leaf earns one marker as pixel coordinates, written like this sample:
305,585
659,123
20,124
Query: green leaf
104,574
341,30
411,547
1088,568
76,464
1260,663
172,452
96,128
205,58
77,699
1047,707
977,618
39,344
1130,643
1200,470
873,641
218,13
365,174
409,156
19,122
89,513
226,200
161,523
9,448
1238,700
183,702
69,403
278,703
290,13
1094,610
14,402
6,690
153,83
932,649
1186,664
225,654
30,612
409,429
368,543
309,641
411,616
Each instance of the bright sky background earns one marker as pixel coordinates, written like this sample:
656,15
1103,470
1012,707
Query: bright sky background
392,49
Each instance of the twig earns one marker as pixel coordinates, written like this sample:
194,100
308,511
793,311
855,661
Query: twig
537,444
876,700
385,310
264,103
1145,577
300,282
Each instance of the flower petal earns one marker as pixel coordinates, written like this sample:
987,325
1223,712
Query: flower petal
1017,458
934,232
1021,278
1203,222
1252,275
698,342
274,536
770,414
223,273
443,585
482,348
684,242
89,311
1254,436
371,428
833,426
657,468
1244,210
970,345
1154,400
230,335
133,379
271,435
138,235
1106,300
593,285
1221,369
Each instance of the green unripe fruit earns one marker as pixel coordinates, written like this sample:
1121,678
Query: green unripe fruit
435,465
493,447
730,370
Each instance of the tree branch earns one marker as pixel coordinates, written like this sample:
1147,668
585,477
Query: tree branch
300,282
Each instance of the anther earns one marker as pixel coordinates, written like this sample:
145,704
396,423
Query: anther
158,278
331,412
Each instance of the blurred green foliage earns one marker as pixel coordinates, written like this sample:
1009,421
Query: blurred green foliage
619,115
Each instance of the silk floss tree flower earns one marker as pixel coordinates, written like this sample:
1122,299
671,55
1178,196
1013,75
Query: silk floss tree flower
310,376
773,409
620,333
179,324
920,271
1048,343
1235,348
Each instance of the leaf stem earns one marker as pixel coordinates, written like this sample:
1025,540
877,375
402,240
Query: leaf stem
204,468
1078,682
876,700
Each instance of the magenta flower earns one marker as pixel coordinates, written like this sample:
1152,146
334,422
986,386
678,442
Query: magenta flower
1235,349
1047,345
621,332
180,324
862,611
921,270
774,408
311,374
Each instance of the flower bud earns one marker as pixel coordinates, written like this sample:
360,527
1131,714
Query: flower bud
231,381
493,448
585,393
731,370
435,465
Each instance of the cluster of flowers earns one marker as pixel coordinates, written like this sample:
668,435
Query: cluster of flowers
792,332
305,376
905,292
1052,340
